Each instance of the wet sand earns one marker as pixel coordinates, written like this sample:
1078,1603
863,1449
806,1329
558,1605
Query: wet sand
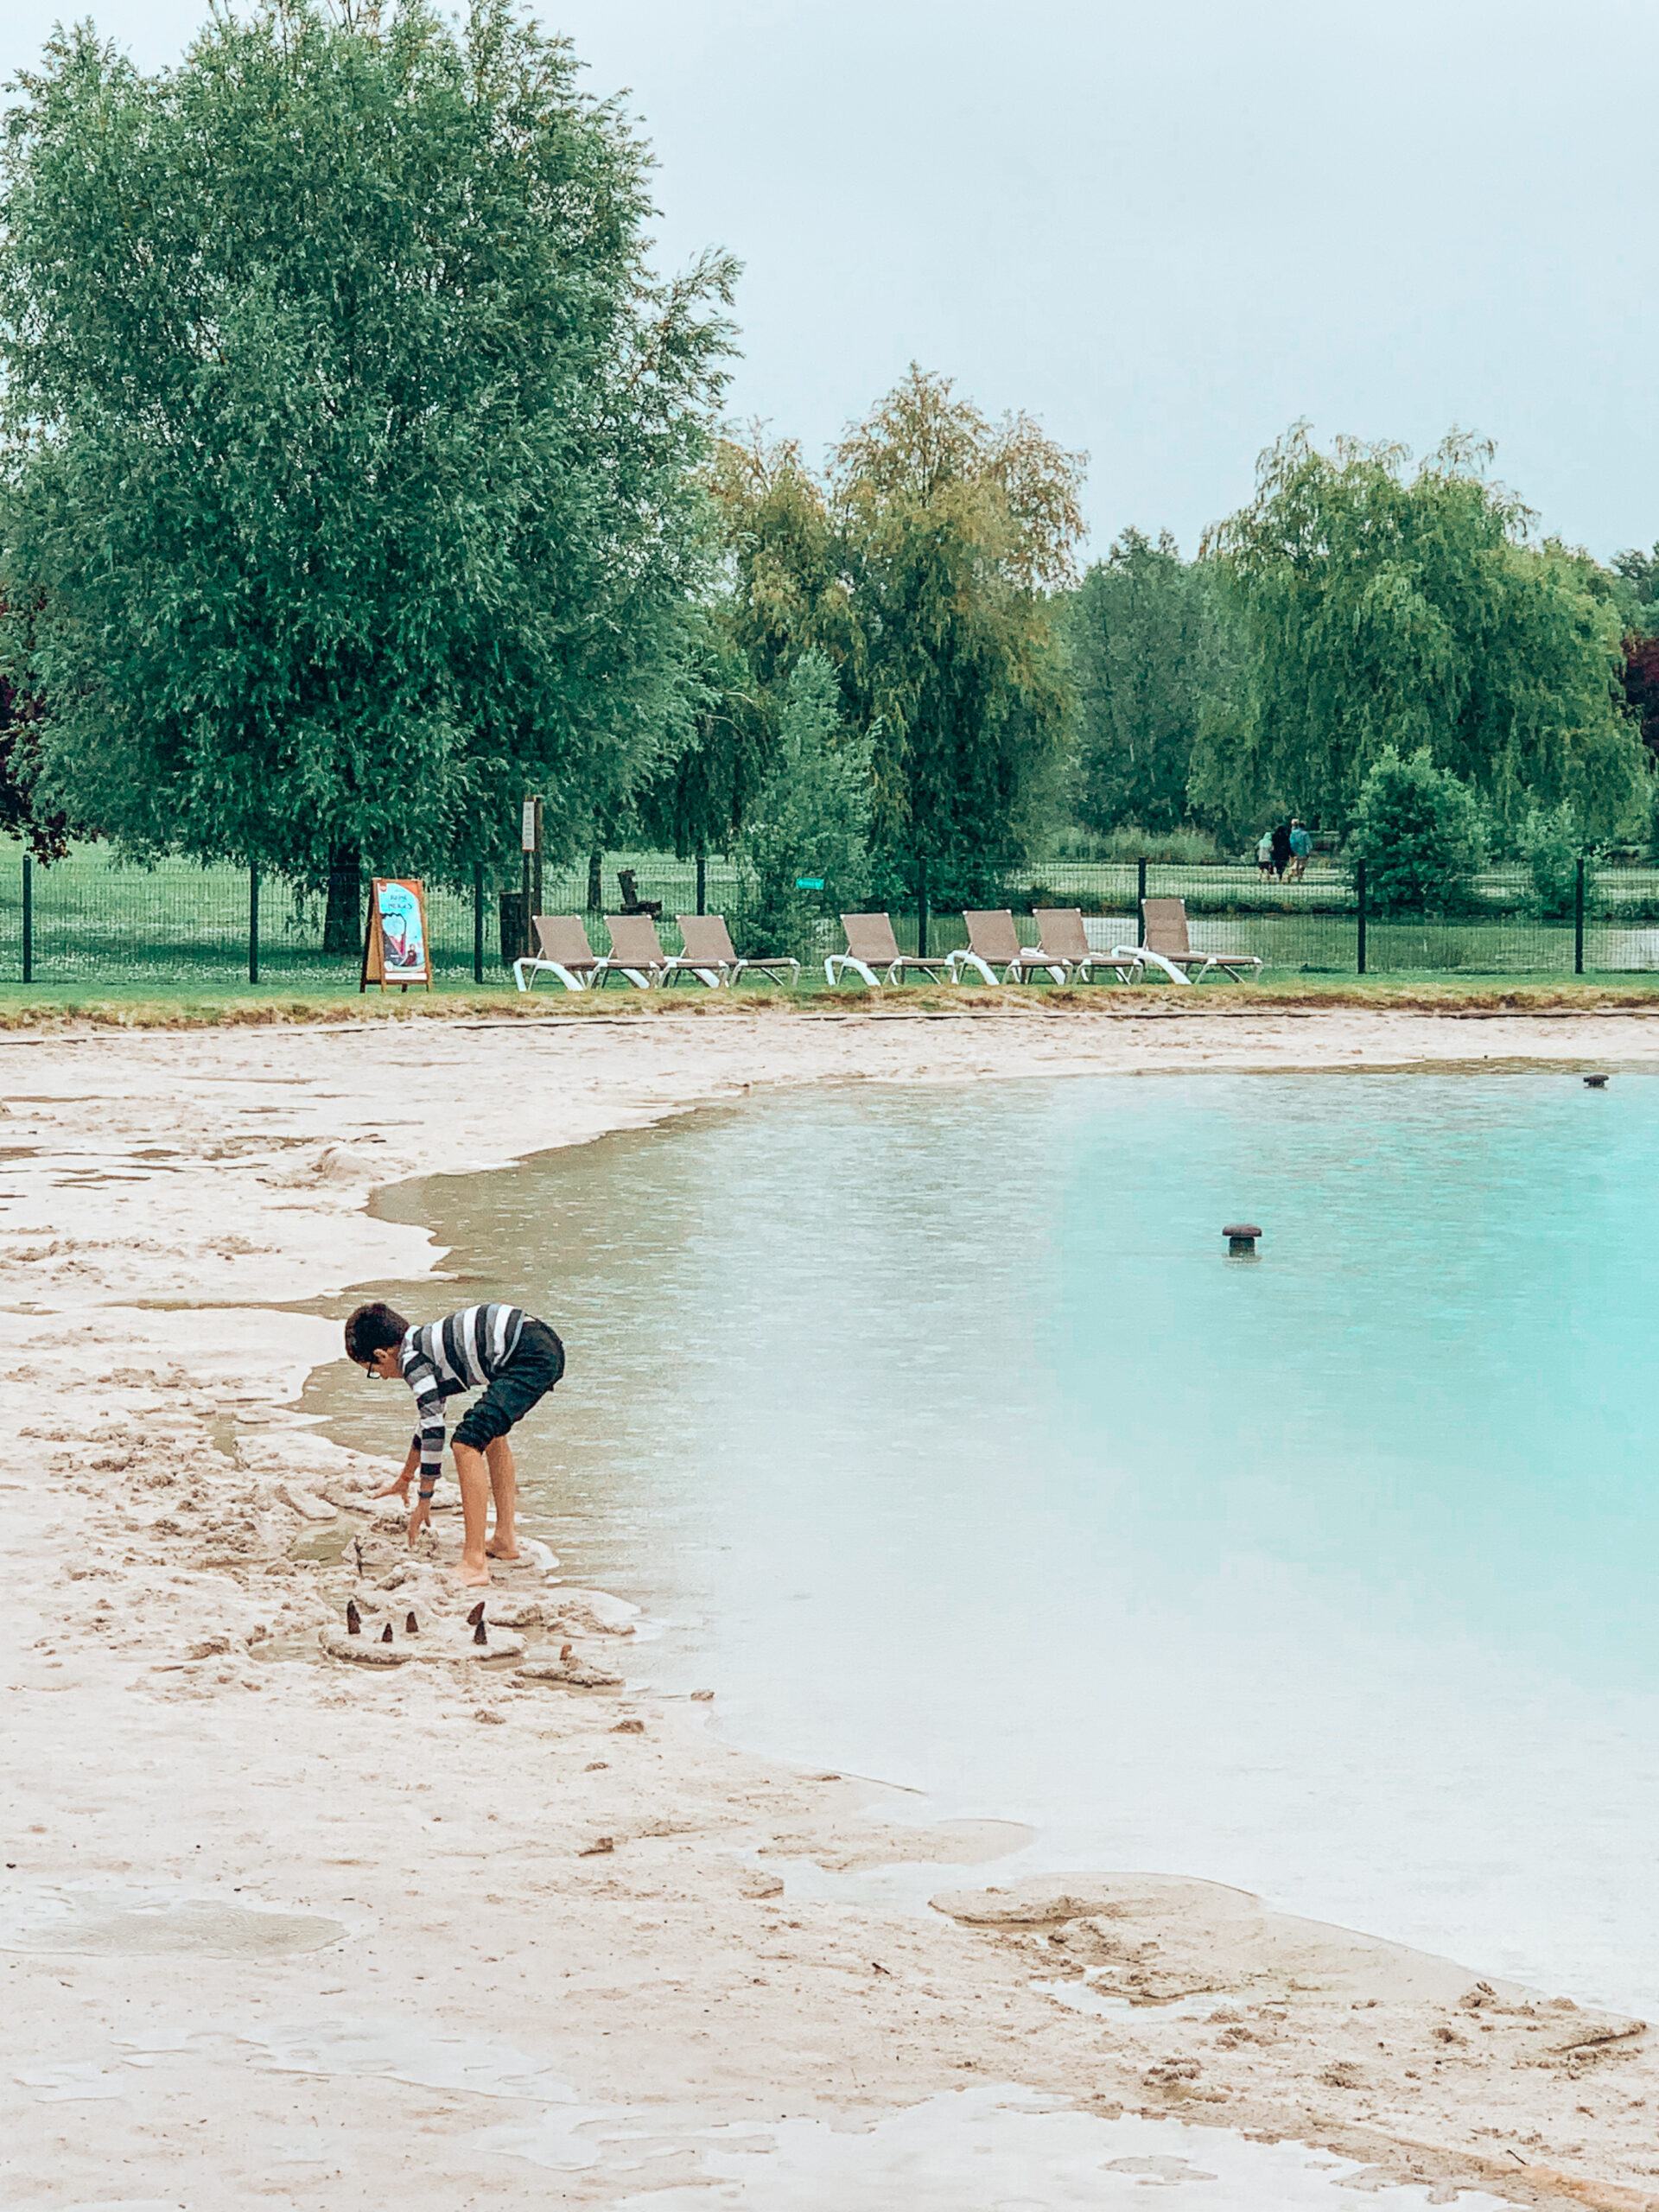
276,1924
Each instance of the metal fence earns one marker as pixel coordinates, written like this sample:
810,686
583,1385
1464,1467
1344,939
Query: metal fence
86,920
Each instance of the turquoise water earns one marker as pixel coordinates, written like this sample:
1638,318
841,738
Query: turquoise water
951,1449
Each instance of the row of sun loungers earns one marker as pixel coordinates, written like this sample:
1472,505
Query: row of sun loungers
994,952
1063,950
637,955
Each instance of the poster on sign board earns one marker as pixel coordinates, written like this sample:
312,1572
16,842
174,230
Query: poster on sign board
395,948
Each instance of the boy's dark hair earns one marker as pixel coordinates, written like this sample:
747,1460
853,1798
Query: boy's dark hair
373,1329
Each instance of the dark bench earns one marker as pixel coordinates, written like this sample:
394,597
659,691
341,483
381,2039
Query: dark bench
631,902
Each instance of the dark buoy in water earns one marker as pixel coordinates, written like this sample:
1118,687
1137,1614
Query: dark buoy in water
353,1619
386,1633
476,1615
480,1634
1595,1082
1240,1239
412,1626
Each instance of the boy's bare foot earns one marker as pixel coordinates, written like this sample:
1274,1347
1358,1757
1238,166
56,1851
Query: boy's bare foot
494,1550
470,1578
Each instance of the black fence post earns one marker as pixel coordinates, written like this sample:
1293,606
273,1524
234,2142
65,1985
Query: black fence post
478,922
1359,891
1578,920
253,923
921,907
1140,902
28,920
702,880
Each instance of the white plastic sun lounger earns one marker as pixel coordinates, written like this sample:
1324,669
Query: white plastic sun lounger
710,955
1169,946
1064,940
563,949
636,950
872,946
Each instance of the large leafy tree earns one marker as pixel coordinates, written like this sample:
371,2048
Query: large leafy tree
924,566
1378,608
350,445
1147,656
956,531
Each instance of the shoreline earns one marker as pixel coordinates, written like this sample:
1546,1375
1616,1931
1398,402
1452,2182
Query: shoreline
236,1164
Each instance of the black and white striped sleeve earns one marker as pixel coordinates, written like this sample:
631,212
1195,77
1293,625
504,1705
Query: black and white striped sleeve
422,1378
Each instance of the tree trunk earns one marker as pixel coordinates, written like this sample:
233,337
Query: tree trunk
342,924
595,882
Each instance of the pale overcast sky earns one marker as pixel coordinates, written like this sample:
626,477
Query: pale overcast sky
1166,232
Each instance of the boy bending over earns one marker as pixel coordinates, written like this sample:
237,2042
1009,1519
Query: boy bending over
516,1357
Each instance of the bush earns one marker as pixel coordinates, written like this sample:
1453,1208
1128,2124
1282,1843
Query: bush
1551,844
1187,847
810,819
1420,833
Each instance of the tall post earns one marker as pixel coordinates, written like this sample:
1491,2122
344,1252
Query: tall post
1578,920
536,860
1359,893
28,920
595,882
478,921
253,923
702,880
1140,902
921,907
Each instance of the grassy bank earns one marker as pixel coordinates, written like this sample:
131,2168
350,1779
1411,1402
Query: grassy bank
40,1007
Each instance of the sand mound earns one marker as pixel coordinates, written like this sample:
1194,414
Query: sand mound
570,1674
439,1641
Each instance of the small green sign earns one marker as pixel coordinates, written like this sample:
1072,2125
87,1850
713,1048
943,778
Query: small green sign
809,883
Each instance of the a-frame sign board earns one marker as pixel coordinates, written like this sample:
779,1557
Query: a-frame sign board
395,948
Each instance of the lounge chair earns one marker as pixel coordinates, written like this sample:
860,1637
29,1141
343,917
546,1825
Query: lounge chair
1169,946
993,943
1062,942
563,949
636,950
871,945
710,956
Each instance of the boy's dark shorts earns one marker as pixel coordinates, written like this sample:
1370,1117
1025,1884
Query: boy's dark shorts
536,1364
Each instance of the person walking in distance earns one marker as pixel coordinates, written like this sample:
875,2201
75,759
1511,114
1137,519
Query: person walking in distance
1301,847
515,1358
1281,849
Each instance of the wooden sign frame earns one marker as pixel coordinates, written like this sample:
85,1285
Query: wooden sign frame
387,951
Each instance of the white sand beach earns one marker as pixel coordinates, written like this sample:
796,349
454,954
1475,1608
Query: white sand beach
476,1926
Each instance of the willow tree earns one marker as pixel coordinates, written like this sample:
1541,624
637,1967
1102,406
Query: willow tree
349,441
1377,608
1148,659
695,798
955,533
781,595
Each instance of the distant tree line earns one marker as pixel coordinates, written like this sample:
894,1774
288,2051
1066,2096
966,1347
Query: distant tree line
1362,611
358,478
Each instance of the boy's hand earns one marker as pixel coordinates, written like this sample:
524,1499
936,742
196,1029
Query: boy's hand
399,1484
420,1514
